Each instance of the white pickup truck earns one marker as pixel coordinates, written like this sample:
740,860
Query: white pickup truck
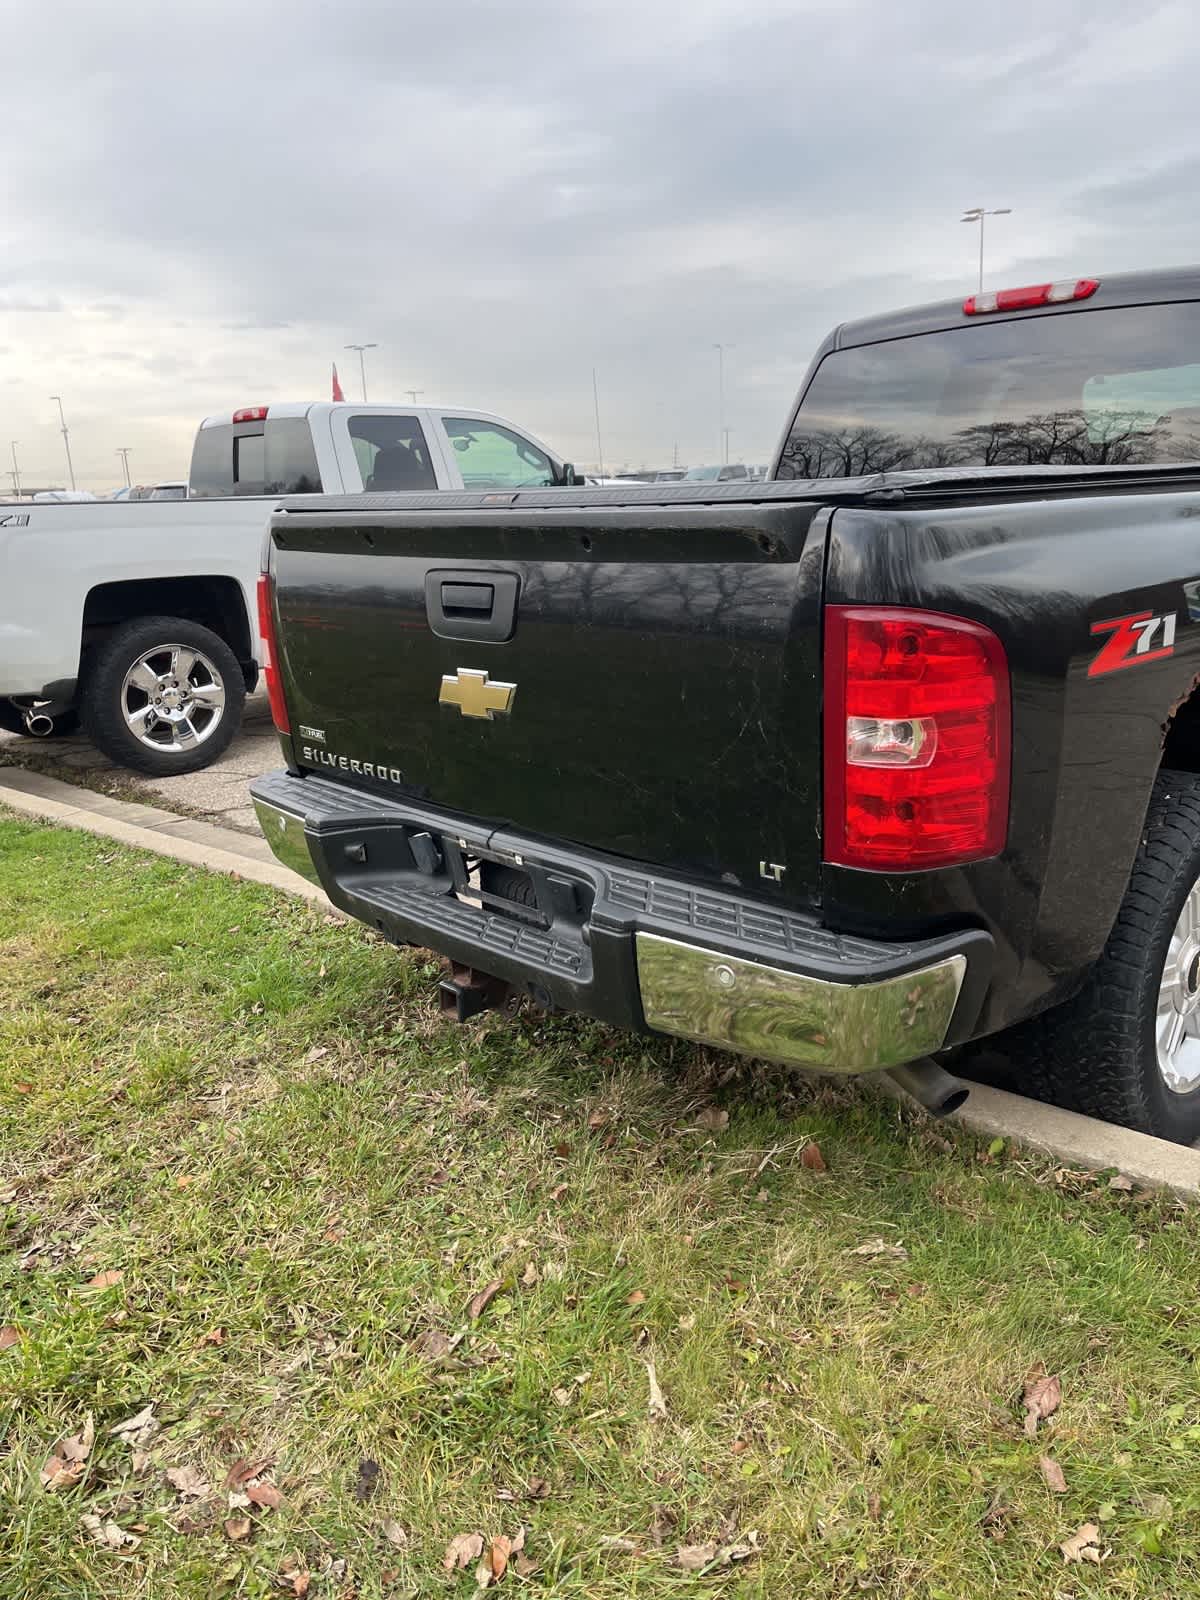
138,617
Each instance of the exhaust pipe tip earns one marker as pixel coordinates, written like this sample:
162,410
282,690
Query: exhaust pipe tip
39,724
935,1089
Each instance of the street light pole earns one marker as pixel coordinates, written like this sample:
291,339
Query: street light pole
362,364
977,214
722,440
123,451
596,409
66,440
16,471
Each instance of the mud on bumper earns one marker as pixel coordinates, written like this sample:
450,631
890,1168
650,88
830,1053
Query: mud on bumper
624,944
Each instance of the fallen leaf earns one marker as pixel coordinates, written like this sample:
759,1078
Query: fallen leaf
523,1566
686,1324
462,1550
484,1298
658,1406
139,1461
695,1557
739,1447
108,1534
597,1120
874,1507
620,1545
1121,1182
1053,1474
394,1533
213,1336
9,1336
299,1582
1042,1398
238,1501
237,1528
874,1248
106,1279
494,1563
637,1298
315,1054
537,1489
1082,1546
184,1181
138,1430
557,1193
1156,1506
530,1276
23,1088
66,1466
188,1483
812,1158
243,1470
712,1119
264,1494
367,1481
995,1519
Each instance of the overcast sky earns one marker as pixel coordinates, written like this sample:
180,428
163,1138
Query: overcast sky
204,202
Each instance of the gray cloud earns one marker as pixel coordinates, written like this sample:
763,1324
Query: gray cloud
506,196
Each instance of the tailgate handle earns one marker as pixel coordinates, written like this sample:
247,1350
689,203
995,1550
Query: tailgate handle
472,605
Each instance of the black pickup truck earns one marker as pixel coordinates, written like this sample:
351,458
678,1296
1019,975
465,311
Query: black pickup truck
855,768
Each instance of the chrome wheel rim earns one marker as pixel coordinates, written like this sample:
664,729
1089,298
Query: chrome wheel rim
1177,1022
173,698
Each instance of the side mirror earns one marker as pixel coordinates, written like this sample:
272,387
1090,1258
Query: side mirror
568,478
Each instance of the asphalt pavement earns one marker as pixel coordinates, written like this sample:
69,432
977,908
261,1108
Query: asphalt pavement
220,793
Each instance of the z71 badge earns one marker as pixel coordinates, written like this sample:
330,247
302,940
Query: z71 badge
1132,640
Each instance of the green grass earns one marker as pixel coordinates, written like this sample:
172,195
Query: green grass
164,1113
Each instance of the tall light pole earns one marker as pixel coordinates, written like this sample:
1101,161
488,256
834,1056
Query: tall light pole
16,471
977,214
596,409
362,363
722,440
66,440
413,393
123,451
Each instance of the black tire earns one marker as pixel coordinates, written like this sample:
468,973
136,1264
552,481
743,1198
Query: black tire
12,720
1098,1053
101,701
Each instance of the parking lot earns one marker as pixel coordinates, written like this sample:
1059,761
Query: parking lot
220,793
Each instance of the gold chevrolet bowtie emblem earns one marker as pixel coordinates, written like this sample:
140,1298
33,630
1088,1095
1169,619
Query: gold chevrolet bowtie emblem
474,696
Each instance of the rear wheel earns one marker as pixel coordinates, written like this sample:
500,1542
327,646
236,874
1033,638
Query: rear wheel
1128,1047
163,696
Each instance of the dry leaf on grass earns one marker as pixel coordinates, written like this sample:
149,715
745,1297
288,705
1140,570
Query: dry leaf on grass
530,1276
213,1336
188,1484
484,1298
874,1507
138,1430
462,1550
315,1054
637,1298
713,1120
107,1533
1053,1474
264,1494
106,1279
66,1466
658,1406
367,1480
1083,1546
9,1336
394,1533
237,1528
243,1470
1156,1506
1121,1183
1042,1398
619,1545
558,1191
696,1557
494,1561
299,1582
872,1249
812,1158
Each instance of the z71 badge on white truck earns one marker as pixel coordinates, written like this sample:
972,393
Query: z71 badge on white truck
139,617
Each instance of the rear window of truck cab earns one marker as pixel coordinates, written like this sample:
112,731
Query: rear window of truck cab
1099,387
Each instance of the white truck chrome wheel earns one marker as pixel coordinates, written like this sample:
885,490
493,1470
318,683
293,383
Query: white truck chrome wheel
173,698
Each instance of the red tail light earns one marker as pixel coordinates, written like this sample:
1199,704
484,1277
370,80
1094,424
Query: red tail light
251,414
1033,294
270,652
917,739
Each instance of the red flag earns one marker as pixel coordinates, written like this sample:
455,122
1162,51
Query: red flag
337,388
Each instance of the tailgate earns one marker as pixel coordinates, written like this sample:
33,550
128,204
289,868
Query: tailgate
640,680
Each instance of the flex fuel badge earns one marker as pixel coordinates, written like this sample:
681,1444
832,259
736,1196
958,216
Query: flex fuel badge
1142,636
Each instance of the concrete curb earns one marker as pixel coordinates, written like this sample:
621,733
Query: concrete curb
200,844
992,1113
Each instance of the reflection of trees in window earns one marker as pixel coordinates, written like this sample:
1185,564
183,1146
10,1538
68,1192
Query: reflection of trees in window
1069,438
